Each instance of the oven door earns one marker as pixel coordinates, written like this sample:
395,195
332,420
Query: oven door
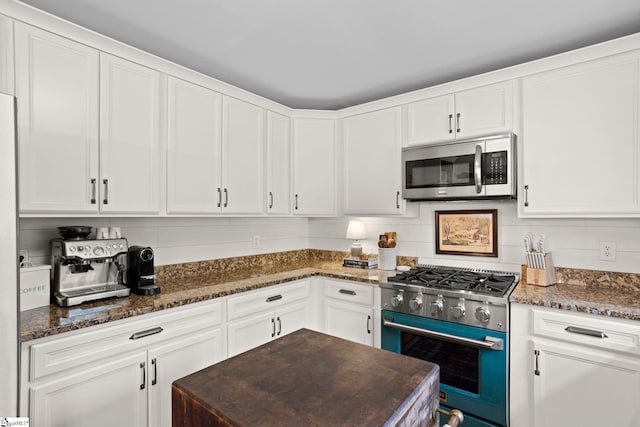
473,361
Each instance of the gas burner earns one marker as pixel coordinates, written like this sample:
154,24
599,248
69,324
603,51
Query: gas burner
482,282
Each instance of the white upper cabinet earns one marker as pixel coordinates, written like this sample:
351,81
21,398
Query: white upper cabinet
57,92
130,136
194,149
314,167
278,164
580,140
243,141
372,163
480,111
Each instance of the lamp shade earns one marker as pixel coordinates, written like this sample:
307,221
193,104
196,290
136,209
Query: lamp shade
356,230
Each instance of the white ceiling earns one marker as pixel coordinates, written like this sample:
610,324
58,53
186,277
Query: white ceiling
330,54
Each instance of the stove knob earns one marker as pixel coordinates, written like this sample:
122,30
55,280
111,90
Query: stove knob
458,311
482,314
415,304
437,307
396,301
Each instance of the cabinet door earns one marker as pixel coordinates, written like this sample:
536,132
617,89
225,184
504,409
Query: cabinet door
129,136
314,171
349,321
250,332
194,150
585,387
291,318
373,142
278,164
242,157
431,120
176,359
580,123
485,110
57,92
112,394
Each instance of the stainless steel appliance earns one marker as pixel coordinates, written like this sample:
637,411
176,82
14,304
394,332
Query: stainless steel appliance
140,275
87,269
472,169
458,319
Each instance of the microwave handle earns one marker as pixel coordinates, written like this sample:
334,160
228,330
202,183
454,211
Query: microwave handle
477,169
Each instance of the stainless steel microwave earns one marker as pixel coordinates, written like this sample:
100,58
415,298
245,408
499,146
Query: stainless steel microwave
480,168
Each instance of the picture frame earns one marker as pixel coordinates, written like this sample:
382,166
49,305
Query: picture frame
467,232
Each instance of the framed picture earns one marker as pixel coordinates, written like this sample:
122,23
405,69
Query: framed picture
470,232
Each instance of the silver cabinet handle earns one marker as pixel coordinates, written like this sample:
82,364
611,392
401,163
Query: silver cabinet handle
146,333
279,326
583,331
489,343
397,200
296,206
477,168
526,195
347,291
226,198
270,200
155,371
450,118
368,327
105,201
458,123
274,298
219,197
536,370
144,376
273,327
93,191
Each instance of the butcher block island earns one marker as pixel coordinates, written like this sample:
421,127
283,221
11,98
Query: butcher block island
309,378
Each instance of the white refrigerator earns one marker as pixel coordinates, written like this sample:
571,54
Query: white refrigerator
9,311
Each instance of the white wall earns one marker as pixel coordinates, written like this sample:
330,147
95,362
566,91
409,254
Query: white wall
574,242
177,240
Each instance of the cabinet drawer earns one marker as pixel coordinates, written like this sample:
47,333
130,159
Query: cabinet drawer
587,329
347,291
52,355
266,299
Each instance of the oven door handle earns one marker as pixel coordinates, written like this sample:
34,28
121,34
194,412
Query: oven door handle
489,343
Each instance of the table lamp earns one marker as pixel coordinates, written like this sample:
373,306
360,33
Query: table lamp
356,231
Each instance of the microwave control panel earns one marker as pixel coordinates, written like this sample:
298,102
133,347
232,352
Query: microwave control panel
494,168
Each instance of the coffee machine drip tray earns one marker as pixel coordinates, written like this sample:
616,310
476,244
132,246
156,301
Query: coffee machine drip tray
77,296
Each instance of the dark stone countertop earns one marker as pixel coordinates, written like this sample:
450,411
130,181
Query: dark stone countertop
185,284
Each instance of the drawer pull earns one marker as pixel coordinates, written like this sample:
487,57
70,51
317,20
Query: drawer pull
583,331
274,298
347,291
152,331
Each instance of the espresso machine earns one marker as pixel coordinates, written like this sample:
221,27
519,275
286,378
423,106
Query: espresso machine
86,269
140,273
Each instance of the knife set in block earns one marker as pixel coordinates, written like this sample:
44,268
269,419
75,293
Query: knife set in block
539,268
542,274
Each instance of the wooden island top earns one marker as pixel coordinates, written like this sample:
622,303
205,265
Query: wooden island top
312,379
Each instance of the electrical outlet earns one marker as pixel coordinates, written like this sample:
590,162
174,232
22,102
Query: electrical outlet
256,242
607,251
24,256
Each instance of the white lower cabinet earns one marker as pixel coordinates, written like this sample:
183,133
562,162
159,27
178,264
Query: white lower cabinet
349,311
573,369
257,317
108,394
119,374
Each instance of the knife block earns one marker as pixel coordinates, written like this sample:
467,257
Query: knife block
542,276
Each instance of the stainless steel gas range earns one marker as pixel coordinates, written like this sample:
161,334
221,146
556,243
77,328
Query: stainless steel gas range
458,319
